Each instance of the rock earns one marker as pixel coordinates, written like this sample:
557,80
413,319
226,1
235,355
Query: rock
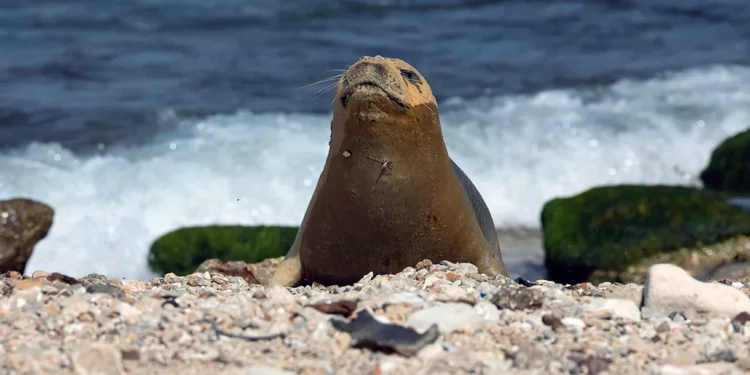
450,276
663,327
29,284
611,228
23,223
262,370
233,268
367,332
631,292
14,275
671,288
729,166
648,312
38,274
728,270
25,299
594,364
112,290
448,317
701,369
573,324
715,350
98,359
739,321
518,298
182,251
280,294
343,308
62,278
623,308
553,319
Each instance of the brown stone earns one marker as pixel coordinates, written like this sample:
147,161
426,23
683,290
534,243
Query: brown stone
553,319
663,327
233,268
602,314
29,284
23,223
259,294
86,316
99,359
39,274
742,318
680,359
743,362
51,310
130,354
20,362
63,278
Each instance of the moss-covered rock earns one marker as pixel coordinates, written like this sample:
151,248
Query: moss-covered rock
183,250
614,227
729,167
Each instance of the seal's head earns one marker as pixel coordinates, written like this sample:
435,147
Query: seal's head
383,103
378,88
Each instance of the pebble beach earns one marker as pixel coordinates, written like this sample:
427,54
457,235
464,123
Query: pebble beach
430,319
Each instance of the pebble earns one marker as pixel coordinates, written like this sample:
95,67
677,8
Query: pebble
39,274
573,324
28,284
623,308
449,317
648,312
702,369
98,359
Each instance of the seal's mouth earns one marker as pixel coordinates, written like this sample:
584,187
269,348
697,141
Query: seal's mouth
347,94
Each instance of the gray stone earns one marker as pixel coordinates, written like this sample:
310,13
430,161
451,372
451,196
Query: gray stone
264,370
648,312
448,317
98,359
573,324
623,308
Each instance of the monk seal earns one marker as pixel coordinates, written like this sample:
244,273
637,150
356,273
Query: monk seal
389,196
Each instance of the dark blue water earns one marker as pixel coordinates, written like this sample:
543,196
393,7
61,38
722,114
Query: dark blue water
84,72
135,117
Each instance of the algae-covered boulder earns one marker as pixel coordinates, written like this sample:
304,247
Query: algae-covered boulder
611,228
183,250
729,167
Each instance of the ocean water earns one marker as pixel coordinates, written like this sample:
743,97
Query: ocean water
135,118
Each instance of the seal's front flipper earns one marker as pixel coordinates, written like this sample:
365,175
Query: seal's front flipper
492,265
289,273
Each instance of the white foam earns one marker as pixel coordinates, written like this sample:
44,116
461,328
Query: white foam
251,169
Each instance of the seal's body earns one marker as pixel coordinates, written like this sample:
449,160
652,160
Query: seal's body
389,195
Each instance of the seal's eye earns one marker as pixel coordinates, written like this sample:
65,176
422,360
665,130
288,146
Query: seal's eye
411,76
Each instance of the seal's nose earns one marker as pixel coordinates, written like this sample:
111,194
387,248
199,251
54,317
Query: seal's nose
369,69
